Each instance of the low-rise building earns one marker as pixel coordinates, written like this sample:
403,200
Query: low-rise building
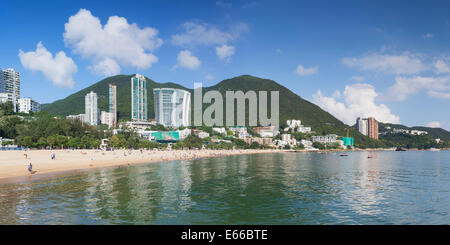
139,125
327,139
27,105
261,141
200,134
237,130
81,117
220,130
267,131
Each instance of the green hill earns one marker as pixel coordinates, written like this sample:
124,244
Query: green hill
433,132
292,106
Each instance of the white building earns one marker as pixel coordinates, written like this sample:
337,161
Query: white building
362,125
6,97
91,110
296,125
201,134
27,105
10,84
107,118
237,130
327,139
268,131
220,130
172,107
184,133
81,117
418,132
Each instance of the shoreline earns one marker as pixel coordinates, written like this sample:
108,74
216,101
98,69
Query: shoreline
14,164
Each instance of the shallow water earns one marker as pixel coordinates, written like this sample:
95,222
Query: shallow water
279,188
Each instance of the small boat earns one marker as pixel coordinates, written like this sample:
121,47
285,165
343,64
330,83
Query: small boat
343,155
369,156
434,149
400,149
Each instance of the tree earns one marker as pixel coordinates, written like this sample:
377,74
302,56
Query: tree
61,140
51,140
318,145
27,141
114,141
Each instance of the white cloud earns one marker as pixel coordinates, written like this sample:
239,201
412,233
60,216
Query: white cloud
412,85
106,67
442,66
187,60
359,101
225,52
112,45
439,95
59,69
204,34
434,124
223,4
302,71
428,36
405,63
358,78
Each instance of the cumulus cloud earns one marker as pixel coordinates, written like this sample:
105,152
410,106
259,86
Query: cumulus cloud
358,101
302,71
412,85
58,69
187,60
205,34
225,52
405,63
442,66
434,124
117,43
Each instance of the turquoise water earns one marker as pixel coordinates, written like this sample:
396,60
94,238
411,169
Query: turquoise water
278,188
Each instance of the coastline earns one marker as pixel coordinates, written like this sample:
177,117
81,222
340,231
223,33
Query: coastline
14,164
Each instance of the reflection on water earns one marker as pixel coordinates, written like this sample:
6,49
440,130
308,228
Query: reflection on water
279,188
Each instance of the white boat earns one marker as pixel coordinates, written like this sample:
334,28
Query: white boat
434,149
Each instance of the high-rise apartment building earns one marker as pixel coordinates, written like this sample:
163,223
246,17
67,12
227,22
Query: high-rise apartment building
113,104
91,109
372,128
10,85
368,127
172,107
27,105
139,98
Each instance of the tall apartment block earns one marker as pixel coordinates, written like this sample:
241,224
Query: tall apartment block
113,104
10,86
172,107
368,127
373,128
91,109
138,98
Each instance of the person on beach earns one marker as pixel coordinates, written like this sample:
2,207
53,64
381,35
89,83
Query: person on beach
30,168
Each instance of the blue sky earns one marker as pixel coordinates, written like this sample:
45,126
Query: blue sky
388,59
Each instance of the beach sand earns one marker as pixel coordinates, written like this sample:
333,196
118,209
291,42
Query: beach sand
15,164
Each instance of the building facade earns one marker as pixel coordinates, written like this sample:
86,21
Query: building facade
372,128
368,126
10,85
139,98
113,104
91,109
267,131
107,118
172,107
27,105
81,117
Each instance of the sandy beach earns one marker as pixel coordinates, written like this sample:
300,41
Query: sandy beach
15,163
